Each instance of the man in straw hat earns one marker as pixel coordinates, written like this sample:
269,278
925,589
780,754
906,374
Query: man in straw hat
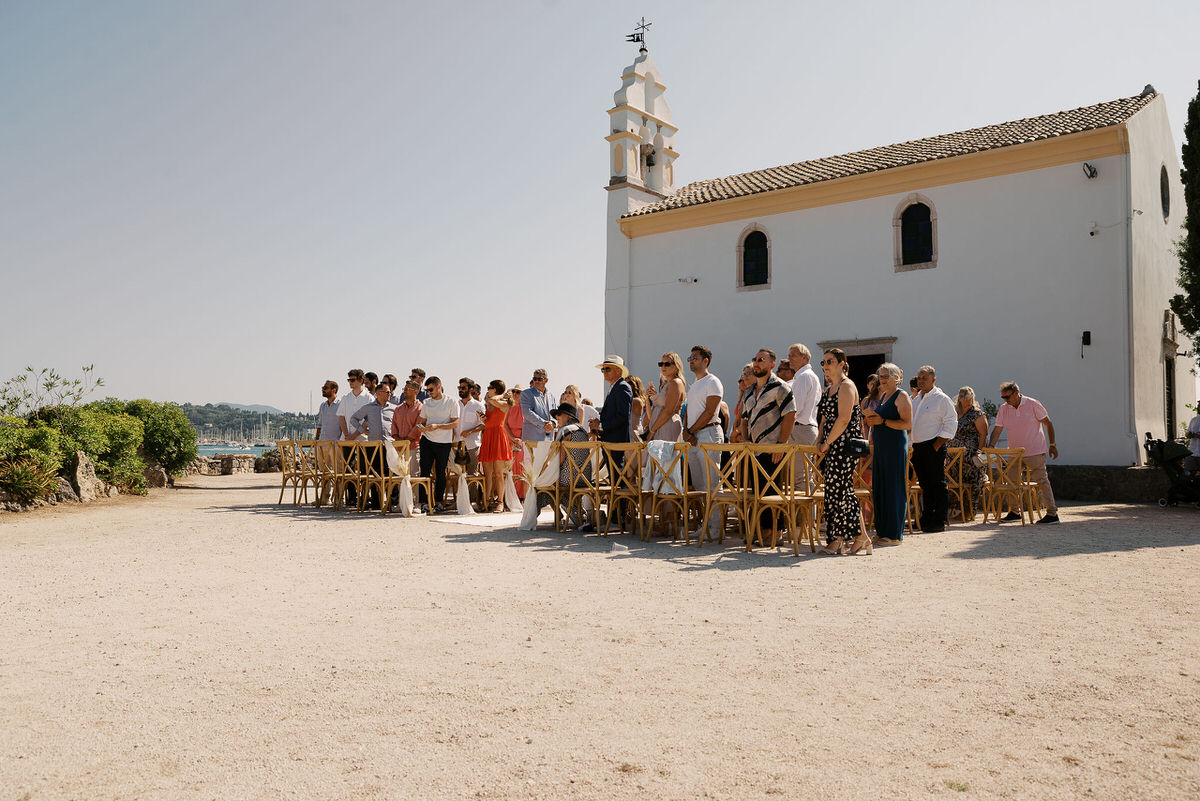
613,425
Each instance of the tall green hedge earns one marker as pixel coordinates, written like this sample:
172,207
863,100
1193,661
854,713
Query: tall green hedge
118,436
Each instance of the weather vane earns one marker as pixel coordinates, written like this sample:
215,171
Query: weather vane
639,35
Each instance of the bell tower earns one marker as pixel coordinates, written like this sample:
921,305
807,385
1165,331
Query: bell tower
642,138
641,160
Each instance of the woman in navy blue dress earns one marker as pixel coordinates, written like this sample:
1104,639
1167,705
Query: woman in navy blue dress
889,465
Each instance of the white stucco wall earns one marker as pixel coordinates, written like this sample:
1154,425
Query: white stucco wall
1018,281
1155,267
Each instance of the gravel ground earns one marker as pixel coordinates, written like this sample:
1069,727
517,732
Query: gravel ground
206,643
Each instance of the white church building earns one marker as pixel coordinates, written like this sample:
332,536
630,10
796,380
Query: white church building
1039,251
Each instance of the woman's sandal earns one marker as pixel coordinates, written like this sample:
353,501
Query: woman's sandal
830,550
862,544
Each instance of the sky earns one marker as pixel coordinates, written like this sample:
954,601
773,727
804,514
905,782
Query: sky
233,201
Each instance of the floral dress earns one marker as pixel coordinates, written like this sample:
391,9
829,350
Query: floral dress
842,512
967,436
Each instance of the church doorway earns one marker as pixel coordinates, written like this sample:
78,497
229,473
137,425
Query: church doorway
863,365
864,356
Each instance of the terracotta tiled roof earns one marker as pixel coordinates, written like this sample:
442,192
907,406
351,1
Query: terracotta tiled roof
945,146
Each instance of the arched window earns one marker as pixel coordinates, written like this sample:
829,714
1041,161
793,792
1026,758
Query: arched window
915,234
1164,189
754,269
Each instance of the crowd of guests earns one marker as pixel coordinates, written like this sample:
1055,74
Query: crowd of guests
778,401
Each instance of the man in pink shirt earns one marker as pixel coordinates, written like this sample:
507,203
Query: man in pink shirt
404,422
1024,419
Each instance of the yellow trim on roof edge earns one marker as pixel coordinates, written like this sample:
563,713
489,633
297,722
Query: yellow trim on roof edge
1110,141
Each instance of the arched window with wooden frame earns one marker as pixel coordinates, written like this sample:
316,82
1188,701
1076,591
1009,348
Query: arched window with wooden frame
754,258
914,234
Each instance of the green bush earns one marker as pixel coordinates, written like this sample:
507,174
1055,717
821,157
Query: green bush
169,439
118,462
23,439
26,479
109,437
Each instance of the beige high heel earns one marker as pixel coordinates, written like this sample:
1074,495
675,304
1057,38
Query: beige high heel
862,544
831,550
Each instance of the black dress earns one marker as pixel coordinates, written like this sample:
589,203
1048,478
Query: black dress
843,515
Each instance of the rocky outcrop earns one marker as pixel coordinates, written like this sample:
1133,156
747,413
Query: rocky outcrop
64,492
155,477
269,462
88,487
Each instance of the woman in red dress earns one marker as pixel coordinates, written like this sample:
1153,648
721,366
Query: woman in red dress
495,450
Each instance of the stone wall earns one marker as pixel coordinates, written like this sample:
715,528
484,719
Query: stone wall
1101,484
223,464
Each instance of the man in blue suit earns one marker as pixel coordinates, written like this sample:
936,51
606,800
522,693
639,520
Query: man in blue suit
613,425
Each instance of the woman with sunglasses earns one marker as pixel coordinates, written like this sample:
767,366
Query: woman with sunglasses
662,418
839,421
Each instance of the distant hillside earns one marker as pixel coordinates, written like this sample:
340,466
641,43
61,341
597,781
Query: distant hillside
257,408
227,422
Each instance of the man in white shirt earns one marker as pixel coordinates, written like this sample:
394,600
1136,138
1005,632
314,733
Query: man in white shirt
437,423
1193,434
470,424
703,423
351,402
328,425
934,424
806,389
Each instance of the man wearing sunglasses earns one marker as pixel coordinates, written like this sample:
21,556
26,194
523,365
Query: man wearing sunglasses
351,402
1025,420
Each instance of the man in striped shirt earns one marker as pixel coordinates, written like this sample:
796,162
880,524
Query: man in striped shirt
768,407
768,414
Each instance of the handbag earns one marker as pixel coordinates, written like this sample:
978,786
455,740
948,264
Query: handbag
460,453
857,446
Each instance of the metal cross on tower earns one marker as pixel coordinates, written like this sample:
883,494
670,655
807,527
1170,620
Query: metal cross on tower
639,34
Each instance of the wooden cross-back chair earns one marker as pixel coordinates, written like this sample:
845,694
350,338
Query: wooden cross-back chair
394,481
667,482
1033,493
729,488
289,473
325,456
583,478
772,492
554,491
346,470
624,486
810,496
306,469
862,488
1005,487
373,473
913,489
957,492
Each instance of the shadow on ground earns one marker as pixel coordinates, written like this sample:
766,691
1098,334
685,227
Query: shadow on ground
1089,530
1086,529
729,555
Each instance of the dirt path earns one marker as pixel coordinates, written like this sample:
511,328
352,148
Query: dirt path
208,644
